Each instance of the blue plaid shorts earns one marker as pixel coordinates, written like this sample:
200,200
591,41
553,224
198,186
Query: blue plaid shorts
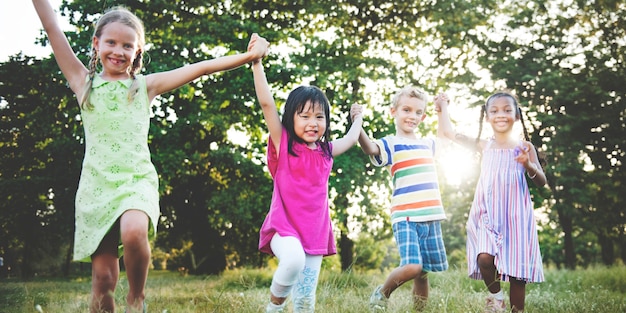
421,243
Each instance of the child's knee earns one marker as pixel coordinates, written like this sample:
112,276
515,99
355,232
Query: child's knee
484,260
293,263
104,281
134,236
412,270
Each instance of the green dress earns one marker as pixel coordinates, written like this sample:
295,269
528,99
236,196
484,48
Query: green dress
117,173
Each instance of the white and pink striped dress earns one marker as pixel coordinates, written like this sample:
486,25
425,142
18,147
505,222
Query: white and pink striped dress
501,221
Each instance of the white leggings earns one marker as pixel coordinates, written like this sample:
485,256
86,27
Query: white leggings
295,268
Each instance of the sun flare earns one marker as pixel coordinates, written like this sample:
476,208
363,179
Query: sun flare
456,163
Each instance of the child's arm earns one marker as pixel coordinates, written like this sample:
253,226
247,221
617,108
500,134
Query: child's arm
74,71
527,156
368,147
162,82
266,100
342,145
445,129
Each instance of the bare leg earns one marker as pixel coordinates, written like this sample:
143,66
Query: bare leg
134,232
420,291
399,276
488,271
105,271
517,295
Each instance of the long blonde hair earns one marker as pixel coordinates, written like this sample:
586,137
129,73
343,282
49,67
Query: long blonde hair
124,16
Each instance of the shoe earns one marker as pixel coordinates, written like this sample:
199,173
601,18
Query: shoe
275,308
378,301
495,306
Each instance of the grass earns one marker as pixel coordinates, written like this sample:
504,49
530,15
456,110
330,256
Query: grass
598,289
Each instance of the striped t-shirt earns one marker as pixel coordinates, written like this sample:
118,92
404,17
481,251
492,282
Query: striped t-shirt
411,163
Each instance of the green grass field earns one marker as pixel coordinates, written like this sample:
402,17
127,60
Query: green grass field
598,289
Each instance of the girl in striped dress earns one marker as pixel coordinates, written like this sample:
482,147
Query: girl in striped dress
502,242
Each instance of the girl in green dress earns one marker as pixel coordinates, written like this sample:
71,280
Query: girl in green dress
117,203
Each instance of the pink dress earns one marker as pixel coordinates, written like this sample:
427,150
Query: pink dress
501,221
299,205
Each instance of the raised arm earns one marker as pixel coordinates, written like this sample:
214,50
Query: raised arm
367,145
162,82
343,144
71,67
266,100
445,128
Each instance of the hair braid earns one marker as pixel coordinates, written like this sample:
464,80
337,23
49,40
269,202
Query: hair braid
521,117
480,123
540,154
134,88
93,65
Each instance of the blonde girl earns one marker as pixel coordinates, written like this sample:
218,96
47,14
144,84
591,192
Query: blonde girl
117,202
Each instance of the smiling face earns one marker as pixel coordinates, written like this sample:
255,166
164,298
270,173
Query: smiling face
117,46
310,124
501,113
408,113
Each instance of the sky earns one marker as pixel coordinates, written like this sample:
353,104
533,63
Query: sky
20,27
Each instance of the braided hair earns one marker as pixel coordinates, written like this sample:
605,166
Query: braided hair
121,15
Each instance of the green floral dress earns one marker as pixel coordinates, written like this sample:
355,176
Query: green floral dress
117,173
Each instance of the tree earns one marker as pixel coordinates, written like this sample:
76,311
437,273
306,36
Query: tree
39,166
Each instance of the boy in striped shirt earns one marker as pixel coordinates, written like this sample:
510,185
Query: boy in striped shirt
416,207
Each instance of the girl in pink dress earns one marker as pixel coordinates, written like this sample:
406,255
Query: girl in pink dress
298,229
502,242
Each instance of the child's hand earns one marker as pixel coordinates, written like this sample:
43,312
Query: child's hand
356,111
522,153
258,46
441,100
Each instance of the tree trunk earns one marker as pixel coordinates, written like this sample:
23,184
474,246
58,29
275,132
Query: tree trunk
568,241
608,249
346,251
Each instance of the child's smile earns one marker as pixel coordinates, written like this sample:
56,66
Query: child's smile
310,123
408,114
117,47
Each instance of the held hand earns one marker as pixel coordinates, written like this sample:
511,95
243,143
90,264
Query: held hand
258,46
441,100
356,111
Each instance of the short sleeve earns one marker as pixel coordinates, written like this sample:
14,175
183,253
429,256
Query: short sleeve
385,153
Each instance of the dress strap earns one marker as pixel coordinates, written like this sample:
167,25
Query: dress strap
488,145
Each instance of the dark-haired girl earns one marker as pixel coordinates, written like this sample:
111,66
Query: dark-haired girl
297,229
502,242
